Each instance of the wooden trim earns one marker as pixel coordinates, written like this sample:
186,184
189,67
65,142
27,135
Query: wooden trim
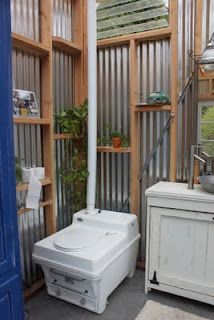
174,95
150,108
31,121
114,150
30,292
198,27
28,45
46,10
65,45
158,34
134,128
24,186
41,205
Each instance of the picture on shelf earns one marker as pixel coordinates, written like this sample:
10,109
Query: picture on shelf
25,104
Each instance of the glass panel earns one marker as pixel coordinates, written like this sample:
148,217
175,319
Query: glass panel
208,147
207,131
207,114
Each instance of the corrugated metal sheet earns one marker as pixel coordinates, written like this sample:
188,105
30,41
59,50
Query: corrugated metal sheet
63,86
25,18
63,19
153,74
113,107
26,75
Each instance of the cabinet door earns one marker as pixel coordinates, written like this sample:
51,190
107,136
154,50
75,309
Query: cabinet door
181,251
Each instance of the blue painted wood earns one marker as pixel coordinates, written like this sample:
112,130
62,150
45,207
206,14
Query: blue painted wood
11,301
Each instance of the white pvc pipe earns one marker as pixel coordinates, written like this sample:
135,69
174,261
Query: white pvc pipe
92,104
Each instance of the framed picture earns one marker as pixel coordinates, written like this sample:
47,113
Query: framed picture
24,104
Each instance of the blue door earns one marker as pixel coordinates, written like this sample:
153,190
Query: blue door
11,304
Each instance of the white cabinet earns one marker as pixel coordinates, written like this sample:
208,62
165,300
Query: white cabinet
180,241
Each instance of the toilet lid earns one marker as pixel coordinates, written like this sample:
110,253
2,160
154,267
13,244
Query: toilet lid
74,240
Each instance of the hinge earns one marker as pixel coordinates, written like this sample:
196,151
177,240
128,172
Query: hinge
154,280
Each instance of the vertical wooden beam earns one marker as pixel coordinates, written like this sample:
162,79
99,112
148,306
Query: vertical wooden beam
133,85
80,26
47,112
174,97
198,27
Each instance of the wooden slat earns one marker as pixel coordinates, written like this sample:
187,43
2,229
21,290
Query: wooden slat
66,45
65,136
32,121
113,150
24,186
134,127
30,292
151,108
198,27
47,112
158,34
174,95
28,45
41,205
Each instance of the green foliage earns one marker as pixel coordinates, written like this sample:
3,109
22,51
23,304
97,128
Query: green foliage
207,129
73,120
107,139
18,170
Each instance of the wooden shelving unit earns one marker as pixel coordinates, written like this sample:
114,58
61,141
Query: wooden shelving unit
114,150
28,45
24,186
36,121
66,45
152,108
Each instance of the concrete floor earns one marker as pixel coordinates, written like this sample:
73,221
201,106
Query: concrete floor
124,304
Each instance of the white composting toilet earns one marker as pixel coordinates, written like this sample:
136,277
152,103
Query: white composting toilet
85,262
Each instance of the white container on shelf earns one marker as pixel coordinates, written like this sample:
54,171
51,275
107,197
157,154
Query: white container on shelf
85,262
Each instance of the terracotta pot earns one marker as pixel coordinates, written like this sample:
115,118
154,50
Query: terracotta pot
117,142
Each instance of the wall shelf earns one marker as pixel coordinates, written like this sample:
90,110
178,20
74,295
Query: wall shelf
150,107
29,45
65,136
39,121
24,186
65,45
113,150
41,205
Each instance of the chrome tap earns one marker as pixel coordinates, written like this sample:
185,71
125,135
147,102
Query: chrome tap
193,156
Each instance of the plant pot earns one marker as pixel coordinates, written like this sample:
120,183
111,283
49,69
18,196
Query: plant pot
117,142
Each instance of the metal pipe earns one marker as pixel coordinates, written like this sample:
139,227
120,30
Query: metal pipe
92,104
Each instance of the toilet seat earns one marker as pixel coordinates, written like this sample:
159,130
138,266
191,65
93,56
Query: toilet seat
76,240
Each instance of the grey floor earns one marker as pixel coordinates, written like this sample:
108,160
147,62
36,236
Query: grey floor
124,304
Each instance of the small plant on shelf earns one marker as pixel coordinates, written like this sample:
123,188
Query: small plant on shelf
115,139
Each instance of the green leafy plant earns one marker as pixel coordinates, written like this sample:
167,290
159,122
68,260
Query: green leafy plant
107,139
18,170
74,121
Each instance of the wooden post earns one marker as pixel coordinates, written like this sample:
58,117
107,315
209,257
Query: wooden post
47,112
134,183
174,97
198,27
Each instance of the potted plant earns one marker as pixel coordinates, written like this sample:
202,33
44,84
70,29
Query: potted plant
117,138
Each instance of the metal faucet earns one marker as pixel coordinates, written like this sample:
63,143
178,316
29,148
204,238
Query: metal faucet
193,156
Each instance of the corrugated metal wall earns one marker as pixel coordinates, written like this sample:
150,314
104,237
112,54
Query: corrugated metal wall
63,87
63,93
26,75
113,108
153,74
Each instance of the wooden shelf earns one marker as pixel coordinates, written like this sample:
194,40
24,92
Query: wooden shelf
66,45
29,45
24,186
150,107
113,150
41,205
65,136
40,121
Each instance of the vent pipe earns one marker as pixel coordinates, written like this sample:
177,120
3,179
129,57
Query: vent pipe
92,104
